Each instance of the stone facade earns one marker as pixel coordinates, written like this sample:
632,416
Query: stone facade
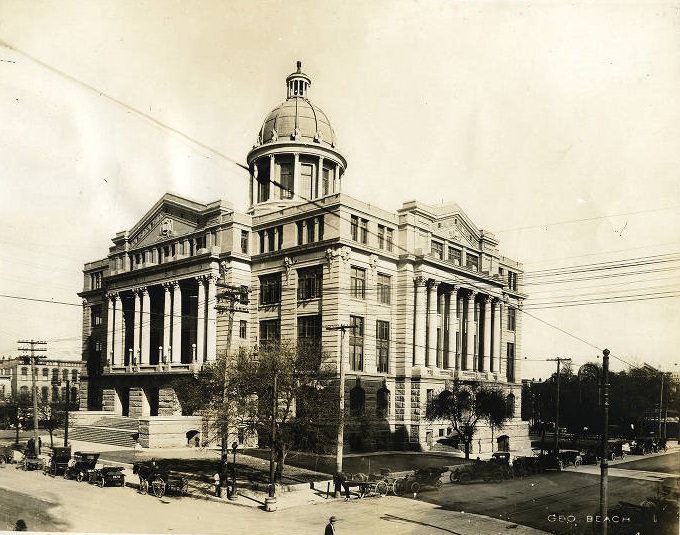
425,294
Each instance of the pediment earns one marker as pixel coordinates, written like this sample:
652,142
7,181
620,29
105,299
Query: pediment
165,221
458,228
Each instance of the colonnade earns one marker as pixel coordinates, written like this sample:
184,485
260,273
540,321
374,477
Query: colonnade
464,343
135,348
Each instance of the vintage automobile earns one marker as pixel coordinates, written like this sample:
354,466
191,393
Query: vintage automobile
550,461
58,461
111,476
484,470
425,477
159,480
81,464
570,457
526,465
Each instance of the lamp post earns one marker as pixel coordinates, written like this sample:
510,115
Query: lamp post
604,461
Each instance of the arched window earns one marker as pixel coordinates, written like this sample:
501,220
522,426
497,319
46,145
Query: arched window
64,375
357,400
45,394
382,407
510,405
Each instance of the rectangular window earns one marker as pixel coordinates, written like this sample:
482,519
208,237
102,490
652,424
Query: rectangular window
455,255
244,241
384,288
381,237
382,345
319,224
309,330
356,343
271,240
24,371
388,239
512,280
45,373
364,231
354,227
307,181
437,250
472,262
512,317
309,283
311,226
74,376
270,289
510,362
325,181
358,283
96,315
286,180
243,329
300,232
270,331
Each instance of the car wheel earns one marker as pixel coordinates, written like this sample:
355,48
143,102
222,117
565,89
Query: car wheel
464,478
560,466
577,463
79,477
415,487
101,482
438,484
399,486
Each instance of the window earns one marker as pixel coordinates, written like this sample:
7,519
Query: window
512,280
455,255
24,370
74,376
472,262
382,345
382,403
384,284
381,237
96,315
286,180
510,362
354,227
55,375
357,401
270,289
64,375
363,235
358,283
512,317
437,250
45,373
244,241
309,330
311,226
270,331
510,405
325,181
307,181
388,239
356,343
262,177
319,222
96,280
242,329
309,283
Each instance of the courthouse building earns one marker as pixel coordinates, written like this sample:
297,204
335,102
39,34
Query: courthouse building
427,292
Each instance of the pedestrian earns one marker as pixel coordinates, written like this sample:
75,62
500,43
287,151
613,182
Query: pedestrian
330,527
340,482
21,525
39,445
218,485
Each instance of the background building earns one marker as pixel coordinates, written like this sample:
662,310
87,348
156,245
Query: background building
51,377
428,294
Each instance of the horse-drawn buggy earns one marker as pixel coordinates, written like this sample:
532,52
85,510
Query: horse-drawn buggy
111,476
159,480
79,467
58,461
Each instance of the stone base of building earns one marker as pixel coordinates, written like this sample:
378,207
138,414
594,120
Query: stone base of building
513,437
170,431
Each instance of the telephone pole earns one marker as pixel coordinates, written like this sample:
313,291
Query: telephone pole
604,461
341,403
32,353
557,403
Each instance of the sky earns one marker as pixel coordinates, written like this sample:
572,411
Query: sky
554,125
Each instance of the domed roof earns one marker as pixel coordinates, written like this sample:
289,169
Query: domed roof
296,118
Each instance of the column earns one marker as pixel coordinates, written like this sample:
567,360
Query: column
518,343
110,326
470,330
200,320
420,311
211,334
272,176
136,326
167,320
119,332
486,346
496,349
431,358
146,327
453,323
176,349
297,187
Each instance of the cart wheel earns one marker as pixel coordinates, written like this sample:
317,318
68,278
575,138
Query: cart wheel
438,484
185,487
158,487
381,488
453,476
143,486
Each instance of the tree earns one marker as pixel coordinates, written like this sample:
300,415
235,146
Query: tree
467,404
51,416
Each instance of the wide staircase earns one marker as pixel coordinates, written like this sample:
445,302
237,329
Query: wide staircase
111,430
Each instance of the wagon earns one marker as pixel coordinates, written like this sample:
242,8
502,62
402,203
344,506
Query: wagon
31,461
58,461
107,476
158,480
80,465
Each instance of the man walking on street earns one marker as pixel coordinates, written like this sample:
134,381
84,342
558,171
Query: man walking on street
330,527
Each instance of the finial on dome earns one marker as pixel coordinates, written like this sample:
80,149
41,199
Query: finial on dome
299,66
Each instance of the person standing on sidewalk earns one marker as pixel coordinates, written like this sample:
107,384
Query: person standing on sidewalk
330,527
218,485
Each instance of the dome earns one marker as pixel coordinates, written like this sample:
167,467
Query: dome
297,119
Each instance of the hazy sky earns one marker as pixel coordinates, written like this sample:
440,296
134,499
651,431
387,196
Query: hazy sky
555,125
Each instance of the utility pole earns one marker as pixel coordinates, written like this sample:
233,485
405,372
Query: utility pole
34,348
341,403
68,406
658,440
557,403
604,461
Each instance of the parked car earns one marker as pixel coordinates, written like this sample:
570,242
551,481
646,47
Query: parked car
570,457
80,465
107,476
526,465
550,461
484,470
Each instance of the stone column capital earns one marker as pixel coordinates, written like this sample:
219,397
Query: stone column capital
432,284
112,296
419,280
